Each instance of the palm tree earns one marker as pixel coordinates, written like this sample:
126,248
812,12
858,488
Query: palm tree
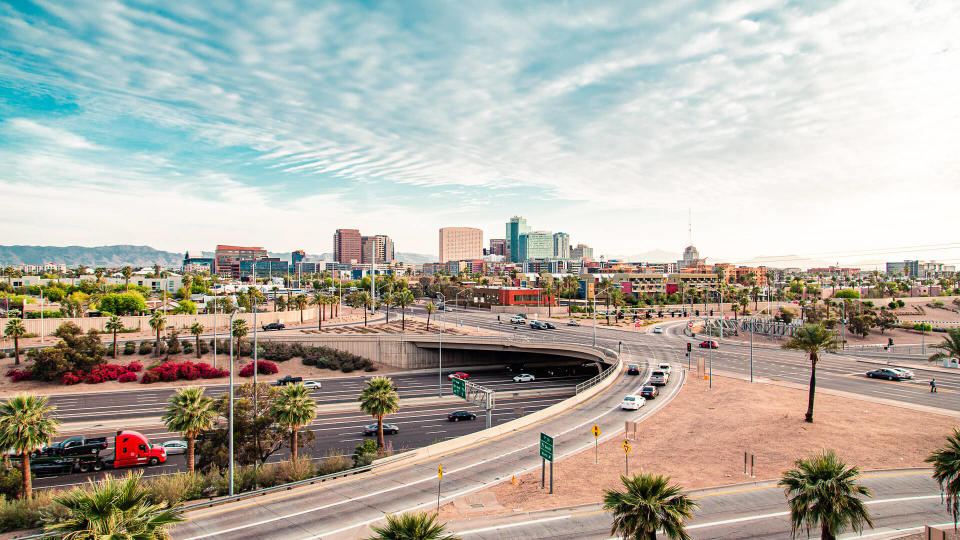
647,504
25,425
275,290
114,325
812,339
403,299
239,332
113,508
318,300
127,273
16,330
430,307
412,526
158,322
197,330
363,301
548,290
822,490
189,412
378,399
300,301
294,408
946,471
949,347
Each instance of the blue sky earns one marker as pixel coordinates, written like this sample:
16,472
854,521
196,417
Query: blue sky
788,127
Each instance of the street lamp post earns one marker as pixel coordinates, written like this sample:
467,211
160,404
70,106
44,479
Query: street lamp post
440,353
215,332
230,435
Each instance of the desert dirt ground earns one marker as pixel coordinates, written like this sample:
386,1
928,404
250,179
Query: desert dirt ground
699,439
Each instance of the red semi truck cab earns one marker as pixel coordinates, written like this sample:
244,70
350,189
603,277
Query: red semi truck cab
133,448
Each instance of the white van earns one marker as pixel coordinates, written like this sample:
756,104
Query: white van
664,367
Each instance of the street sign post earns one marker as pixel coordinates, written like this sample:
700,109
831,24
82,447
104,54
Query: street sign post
596,444
459,387
439,479
626,454
546,452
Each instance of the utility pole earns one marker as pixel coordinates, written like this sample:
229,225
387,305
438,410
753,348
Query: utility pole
230,435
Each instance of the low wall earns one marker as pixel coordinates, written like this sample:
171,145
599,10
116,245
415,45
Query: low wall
48,326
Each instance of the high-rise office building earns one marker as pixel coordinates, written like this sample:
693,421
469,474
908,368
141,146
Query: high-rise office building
225,256
515,227
498,246
582,251
561,245
460,243
377,248
346,246
296,257
535,245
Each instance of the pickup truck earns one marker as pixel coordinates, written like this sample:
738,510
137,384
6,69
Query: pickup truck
73,446
273,326
518,319
288,380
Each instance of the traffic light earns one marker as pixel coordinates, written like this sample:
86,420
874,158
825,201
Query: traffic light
711,313
689,348
890,342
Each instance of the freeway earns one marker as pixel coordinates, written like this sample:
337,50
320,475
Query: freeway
902,503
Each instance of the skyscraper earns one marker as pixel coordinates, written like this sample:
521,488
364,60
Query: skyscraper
582,251
460,243
515,227
498,246
227,256
296,257
535,245
377,248
346,246
561,245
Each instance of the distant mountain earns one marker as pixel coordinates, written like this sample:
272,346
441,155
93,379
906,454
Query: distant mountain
415,258
652,256
107,256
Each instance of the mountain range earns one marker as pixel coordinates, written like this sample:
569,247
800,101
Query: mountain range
121,255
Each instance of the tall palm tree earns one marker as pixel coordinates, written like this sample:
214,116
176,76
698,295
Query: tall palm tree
294,408
430,307
239,332
949,347
822,490
16,330
197,330
334,303
275,290
403,299
189,412
25,425
363,301
127,273
946,471
114,325
187,284
300,301
318,300
412,526
378,399
548,290
113,508
812,339
158,322
647,504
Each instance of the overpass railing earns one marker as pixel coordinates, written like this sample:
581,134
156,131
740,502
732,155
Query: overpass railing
611,369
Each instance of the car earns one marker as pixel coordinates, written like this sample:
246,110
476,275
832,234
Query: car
283,381
709,344
889,374
457,416
657,330
273,326
549,325
524,377
633,369
573,322
311,385
664,367
518,319
905,373
537,325
649,392
388,429
632,403
659,378
175,447
458,375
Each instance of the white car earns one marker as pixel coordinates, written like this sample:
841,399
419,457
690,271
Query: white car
516,319
524,377
311,385
632,403
657,330
573,322
175,447
664,367
907,374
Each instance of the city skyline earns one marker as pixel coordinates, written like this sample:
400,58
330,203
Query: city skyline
749,113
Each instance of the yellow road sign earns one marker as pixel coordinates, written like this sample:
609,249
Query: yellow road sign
596,430
439,472
626,446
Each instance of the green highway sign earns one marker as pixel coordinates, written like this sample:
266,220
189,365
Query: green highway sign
459,387
546,447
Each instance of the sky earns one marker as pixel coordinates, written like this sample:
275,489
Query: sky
785,127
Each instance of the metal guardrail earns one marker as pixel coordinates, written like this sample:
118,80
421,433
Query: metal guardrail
593,381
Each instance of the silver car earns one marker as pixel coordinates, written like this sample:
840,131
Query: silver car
175,447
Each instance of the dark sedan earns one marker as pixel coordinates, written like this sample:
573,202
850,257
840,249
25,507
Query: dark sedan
388,429
649,392
888,374
461,415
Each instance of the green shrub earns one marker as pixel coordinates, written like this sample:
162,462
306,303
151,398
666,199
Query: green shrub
365,453
175,488
204,347
129,348
146,347
29,514
10,479
187,346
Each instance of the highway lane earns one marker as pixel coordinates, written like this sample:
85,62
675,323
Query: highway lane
342,431
901,501
142,401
